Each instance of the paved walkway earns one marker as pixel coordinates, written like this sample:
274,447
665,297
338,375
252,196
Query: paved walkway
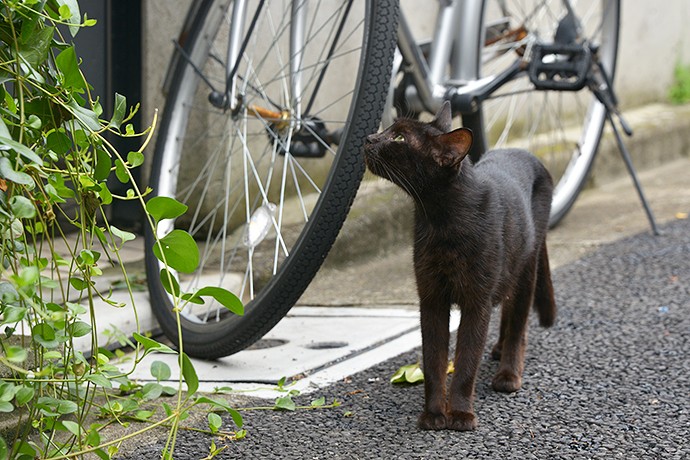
610,380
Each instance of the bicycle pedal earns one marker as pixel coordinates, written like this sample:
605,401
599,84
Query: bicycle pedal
559,67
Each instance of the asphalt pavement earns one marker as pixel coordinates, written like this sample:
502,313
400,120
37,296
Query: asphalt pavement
610,380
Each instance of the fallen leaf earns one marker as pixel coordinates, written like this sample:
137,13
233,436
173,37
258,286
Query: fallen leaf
681,215
410,373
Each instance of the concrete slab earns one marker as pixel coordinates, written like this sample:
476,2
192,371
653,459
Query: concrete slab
315,346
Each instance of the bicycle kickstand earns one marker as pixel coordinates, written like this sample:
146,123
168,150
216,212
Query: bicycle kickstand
607,97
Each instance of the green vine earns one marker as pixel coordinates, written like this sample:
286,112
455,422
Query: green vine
54,151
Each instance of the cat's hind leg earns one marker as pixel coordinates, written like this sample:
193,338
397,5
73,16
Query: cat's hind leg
513,340
544,302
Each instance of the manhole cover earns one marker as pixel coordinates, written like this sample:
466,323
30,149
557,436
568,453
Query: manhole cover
267,343
326,345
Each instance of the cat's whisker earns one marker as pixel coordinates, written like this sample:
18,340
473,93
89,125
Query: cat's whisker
407,185
396,176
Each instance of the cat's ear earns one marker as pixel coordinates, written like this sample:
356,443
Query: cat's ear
457,145
444,118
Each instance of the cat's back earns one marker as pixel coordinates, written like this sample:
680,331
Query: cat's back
517,167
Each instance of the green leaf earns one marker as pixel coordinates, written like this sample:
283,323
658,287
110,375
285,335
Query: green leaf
45,335
104,194
410,373
151,345
223,297
180,251
7,391
8,172
163,207
72,427
21,149
103,165
121,171
79,329
67,64
135,159
74,14
236,416
214,422
123,235
152,390
86,117
34,49
28,276
189,374
160,370
53,406
94,437
16,354
319,402
144,414
101,380
89,257
22,207
4,452
58,142
64,12
119,109
284,403
24,396
78,283
6,406
58,182
8,293
169,283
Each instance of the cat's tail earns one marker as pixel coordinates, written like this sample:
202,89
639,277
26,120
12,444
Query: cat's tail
544,302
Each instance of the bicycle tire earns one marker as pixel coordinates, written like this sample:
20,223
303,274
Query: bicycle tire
568,139
220,333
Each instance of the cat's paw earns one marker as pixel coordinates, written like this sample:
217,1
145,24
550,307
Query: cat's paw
462,421
431,421
506,382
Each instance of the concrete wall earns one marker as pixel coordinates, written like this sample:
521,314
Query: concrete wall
654,37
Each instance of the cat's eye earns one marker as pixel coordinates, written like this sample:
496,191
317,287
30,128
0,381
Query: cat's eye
399,138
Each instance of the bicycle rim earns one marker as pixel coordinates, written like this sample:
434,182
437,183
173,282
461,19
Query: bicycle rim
562,128
268,182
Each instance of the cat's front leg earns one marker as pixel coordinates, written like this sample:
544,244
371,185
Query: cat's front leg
474,324
435,316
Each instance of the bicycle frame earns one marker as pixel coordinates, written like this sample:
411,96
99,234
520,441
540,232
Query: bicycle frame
455,45
458,29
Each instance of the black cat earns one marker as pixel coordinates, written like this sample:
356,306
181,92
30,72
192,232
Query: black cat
479,241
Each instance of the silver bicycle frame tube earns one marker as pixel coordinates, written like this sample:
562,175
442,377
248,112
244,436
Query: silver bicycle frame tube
297,32
455,42
239,15
465,61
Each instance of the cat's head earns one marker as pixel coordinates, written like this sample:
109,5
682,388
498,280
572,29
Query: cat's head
411,153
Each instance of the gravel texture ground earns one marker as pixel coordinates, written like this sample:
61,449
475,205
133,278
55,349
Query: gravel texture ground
610,380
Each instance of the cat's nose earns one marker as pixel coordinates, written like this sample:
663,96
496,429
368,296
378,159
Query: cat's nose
370,139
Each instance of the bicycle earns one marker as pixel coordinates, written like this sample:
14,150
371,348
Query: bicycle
281,123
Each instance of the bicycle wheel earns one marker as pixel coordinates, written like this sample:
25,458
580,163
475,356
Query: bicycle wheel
563,128
269,174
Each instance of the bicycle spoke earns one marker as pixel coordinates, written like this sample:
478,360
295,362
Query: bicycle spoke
250,196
